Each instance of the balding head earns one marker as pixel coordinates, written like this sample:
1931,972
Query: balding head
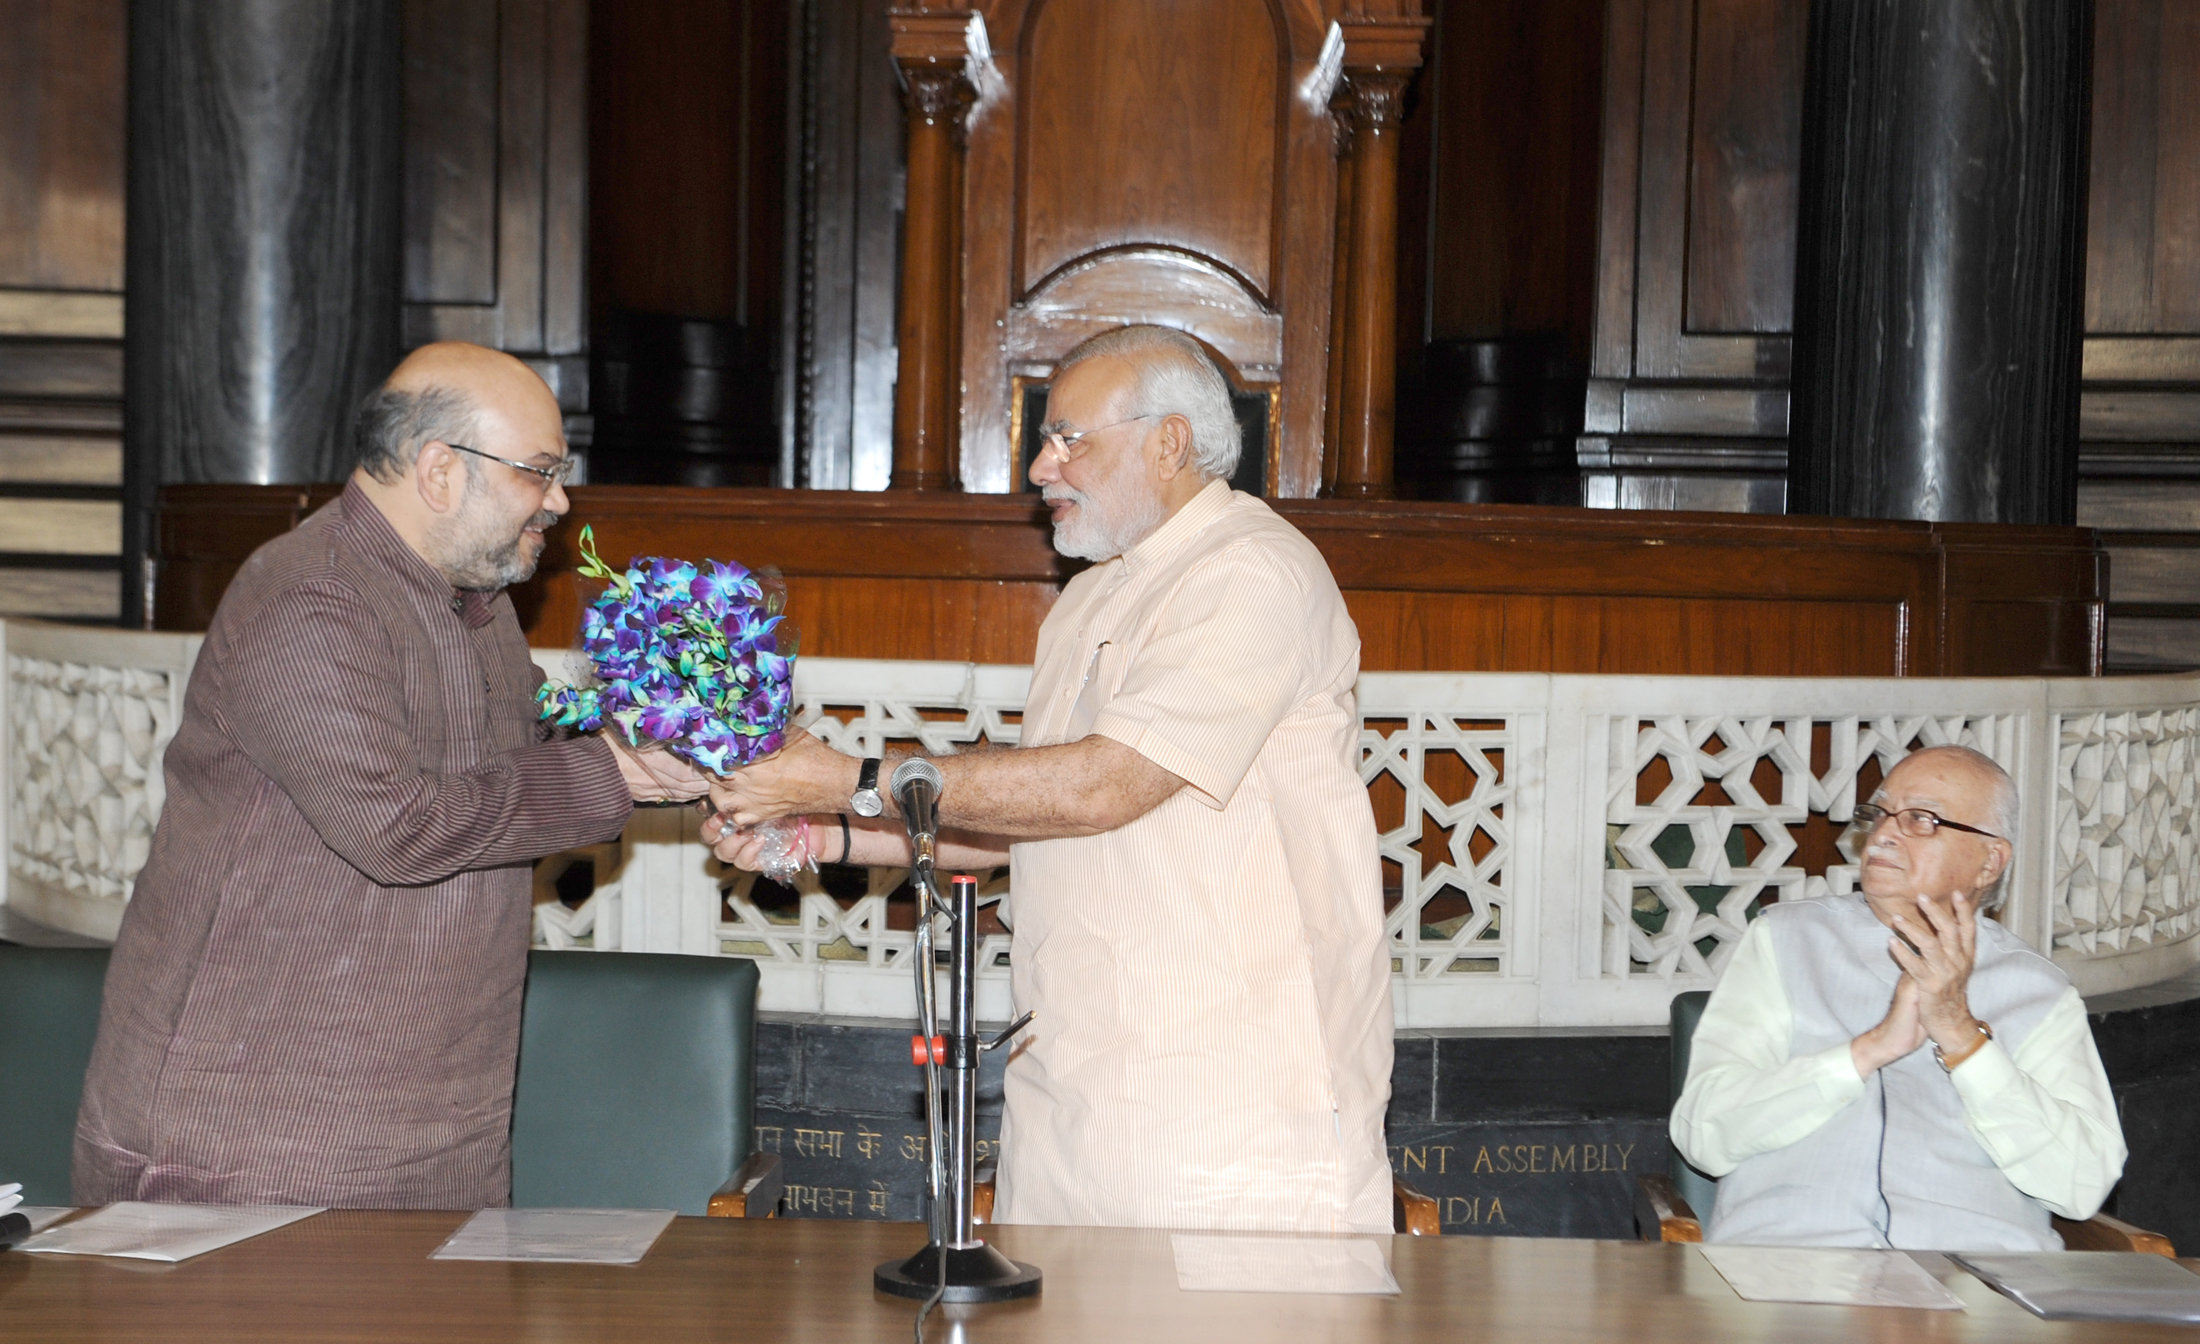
1972,855
454,392
461,449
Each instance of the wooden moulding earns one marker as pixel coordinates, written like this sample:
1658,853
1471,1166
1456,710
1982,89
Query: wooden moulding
2103,1233
1433,587
1660,1212
753,1191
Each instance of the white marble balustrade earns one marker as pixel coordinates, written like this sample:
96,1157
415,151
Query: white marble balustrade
1563,850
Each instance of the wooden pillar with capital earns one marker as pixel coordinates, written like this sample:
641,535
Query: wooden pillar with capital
937,52
1380,57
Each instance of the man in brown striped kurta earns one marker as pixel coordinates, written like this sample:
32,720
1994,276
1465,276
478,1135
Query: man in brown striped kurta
315,995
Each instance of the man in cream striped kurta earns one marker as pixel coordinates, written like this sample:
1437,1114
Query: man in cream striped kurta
1197,896
1213,1044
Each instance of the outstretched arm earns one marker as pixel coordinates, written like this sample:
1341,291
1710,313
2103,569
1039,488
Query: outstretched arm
872,842
1033,793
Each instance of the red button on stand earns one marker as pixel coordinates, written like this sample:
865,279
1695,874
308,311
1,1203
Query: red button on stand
917,1054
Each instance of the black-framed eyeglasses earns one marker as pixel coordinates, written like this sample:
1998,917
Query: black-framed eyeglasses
1916,822
1069,447
556,474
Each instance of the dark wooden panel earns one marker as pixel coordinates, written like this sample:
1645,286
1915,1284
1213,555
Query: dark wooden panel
1701,145
845,191
2142,268
686,146
450,151
2127,40
532,244
1433,586
1147,121
1744,142
86,369
61,143
1510,235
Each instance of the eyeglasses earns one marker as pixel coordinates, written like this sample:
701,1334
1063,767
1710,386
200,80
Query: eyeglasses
1916,822
1069,447
557,473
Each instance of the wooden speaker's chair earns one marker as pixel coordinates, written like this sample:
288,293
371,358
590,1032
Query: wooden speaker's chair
49,1015
1411,1212
637,1086
1666,1206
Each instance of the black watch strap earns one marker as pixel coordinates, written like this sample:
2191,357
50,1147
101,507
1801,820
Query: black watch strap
866,801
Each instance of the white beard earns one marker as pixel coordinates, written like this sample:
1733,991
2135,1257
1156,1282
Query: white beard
1120,511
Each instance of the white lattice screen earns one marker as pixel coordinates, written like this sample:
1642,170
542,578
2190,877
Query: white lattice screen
1558,850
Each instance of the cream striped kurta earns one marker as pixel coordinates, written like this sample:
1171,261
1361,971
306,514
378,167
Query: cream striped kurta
1213,1042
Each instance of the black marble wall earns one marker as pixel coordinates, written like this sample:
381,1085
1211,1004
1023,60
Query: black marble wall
263,238
2150,1044
1939,280
1515,1135
1529,1133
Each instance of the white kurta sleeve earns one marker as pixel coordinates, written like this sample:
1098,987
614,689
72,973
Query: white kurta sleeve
1744,1095
2044,1112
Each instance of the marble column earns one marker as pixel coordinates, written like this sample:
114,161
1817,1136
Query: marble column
264,223
1939,301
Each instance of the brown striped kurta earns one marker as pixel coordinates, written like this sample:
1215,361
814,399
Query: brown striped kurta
315,995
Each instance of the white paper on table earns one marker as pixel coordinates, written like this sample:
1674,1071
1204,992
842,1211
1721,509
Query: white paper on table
43,1216
1834,1277
11,1195
1212,1264
572,1236
168,1232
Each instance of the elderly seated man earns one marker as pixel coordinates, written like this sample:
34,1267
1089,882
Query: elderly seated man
1891,1070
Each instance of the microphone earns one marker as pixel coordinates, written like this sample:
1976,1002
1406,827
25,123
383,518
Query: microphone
916,786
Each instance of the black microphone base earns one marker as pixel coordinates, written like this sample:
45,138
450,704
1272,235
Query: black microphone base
974,1274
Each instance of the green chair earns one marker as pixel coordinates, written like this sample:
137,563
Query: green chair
637,1086
1672,1207
49,1015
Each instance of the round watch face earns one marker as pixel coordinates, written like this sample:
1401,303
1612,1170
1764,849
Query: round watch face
867,803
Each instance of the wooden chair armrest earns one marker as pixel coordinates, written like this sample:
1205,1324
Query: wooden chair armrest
1414,1213
1660,1212
2103,1233
981,1198
753,1190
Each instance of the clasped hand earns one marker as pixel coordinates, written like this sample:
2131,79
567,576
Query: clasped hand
656,775
1931,999
805,775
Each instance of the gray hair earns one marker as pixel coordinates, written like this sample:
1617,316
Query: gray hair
2001,809
1175,377
394,424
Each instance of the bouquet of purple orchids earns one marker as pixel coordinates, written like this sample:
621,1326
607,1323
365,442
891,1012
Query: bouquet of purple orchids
697,658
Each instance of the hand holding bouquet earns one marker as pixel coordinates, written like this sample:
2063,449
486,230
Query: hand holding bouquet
696,660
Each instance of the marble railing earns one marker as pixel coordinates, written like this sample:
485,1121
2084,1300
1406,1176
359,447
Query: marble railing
1558,850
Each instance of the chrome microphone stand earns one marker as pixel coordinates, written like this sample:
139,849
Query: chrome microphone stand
957,1265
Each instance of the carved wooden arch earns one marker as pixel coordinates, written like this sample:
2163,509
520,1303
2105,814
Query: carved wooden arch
1274,334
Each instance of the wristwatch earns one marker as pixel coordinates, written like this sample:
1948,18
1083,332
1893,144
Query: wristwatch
865,802
1947,1065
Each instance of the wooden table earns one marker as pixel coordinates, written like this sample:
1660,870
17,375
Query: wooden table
367,1277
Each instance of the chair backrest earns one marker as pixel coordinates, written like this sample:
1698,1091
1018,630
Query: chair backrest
49,1016
637,1080
1695,1187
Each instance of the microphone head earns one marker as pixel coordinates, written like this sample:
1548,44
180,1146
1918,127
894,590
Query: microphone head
915,770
